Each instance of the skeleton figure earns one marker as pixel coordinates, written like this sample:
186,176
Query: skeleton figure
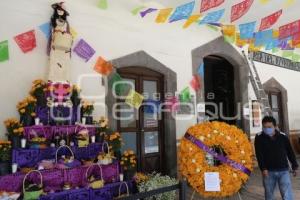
60,45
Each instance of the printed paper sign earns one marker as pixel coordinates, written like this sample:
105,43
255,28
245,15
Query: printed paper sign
4,54
84,50
212,17
212,181
208,4
163,15
270,20
182,12
134,99
26,41
240,9
289,29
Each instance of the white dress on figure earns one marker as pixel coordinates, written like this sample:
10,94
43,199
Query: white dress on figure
60,53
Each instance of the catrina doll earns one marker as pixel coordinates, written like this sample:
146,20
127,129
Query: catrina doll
59,45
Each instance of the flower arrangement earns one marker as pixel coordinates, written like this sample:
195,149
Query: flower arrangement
87,108
13,127
103,123
235,145
155,181
38,89
115,141
75,96
128,160
5,151
140,177
27,106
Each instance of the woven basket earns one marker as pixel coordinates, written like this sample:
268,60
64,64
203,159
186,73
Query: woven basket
97,183
62,165
127,191
32,195
105,161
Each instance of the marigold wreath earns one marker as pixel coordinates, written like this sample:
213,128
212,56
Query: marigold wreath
232,157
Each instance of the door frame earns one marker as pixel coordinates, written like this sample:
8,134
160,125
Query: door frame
143,60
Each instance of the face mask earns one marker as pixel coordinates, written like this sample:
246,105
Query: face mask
268,131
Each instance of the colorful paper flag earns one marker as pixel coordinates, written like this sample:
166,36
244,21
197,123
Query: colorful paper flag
264,1
195,83
240,9
4,53
287,54
102,4
263,37
275,50
147,11
296,40
228,30
208,4
229,39
191,20
73,32
182,12
273,43
134,99
46,29
103,67
270,20
289,29
295,57
201,70
247,30
84,50
185,95
163,15
151,106
212,17
26,41
240,42
115,83
136,10
172,103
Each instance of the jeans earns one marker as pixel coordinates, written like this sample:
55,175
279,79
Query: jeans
284,182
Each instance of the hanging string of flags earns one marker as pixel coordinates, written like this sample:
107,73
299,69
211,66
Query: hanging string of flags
285,39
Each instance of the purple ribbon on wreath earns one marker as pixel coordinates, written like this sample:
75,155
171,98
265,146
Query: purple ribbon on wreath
223,159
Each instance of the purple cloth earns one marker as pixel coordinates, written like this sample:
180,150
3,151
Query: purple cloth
31,157
55,179
223,159
108,192
50,131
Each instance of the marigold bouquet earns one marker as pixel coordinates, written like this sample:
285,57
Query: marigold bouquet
87,108
38,89
5,151
128,160
27,106
13,127
115,141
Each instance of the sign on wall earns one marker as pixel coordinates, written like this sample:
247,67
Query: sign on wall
275,60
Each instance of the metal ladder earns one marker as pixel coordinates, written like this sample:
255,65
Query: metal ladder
260,93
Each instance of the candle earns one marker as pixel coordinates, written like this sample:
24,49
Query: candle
121,177
23,143
93,139
14,167
37,121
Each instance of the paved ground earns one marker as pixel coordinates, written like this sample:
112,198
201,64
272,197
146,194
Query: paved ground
254,189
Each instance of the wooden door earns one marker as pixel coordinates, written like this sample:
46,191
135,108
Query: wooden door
142,130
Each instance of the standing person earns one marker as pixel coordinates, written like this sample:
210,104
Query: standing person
273,150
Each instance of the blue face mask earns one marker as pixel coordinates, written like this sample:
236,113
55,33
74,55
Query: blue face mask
268,131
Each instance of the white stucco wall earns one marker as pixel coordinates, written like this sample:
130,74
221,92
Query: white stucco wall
114,32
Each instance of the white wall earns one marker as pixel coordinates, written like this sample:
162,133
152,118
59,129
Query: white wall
114,32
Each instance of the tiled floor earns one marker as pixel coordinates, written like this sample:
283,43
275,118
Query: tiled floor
254,189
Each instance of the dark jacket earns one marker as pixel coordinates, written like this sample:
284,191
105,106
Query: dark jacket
274,152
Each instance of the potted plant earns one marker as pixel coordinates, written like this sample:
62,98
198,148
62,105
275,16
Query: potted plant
26,109
115,143
87,109
155,181
14,131
5,157
38,91
101,129
128,163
